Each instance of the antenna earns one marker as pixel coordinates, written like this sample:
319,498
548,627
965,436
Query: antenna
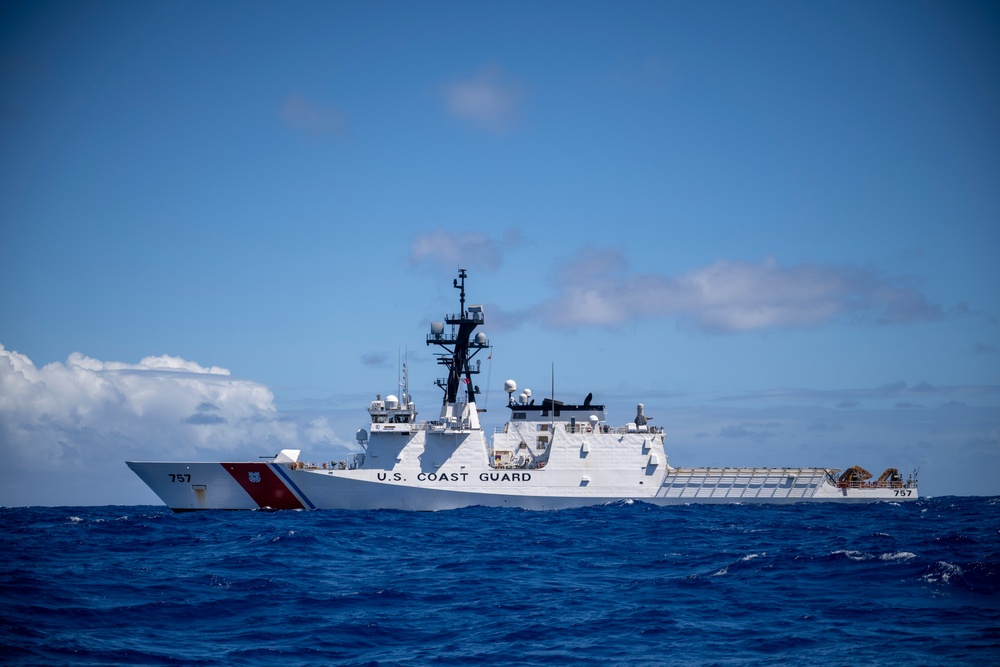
406,379
552,412
460,347
461,274
489,378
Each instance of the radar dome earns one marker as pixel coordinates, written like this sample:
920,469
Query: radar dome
361,435
391,402
480,338
510,386
437,328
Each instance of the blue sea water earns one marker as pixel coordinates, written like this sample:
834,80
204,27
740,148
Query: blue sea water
623,584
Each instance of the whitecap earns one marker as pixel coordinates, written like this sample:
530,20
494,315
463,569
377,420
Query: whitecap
724,571
899,555
943,573
950,570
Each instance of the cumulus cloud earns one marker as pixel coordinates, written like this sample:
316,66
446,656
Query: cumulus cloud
490,100
86,409
598,289
319,431
474,250
313,118
67,428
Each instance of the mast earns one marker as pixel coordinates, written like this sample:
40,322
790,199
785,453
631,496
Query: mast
460,347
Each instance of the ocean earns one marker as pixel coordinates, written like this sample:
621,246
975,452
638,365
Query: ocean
622,584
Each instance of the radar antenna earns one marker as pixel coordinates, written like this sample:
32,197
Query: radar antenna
460,346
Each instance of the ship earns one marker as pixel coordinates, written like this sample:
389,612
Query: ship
549,455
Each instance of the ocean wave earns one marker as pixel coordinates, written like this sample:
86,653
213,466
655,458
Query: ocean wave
942,572
616,584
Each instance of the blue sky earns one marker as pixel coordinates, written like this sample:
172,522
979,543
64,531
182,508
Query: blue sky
775,224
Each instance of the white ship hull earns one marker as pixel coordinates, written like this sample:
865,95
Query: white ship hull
548,456
290,485
213,487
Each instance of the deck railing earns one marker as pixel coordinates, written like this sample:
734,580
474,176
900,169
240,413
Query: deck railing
877,485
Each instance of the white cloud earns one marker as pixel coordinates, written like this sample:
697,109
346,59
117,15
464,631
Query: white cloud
319,431
66,423
456,249
65,413
313,118
67,428
489,100
731,296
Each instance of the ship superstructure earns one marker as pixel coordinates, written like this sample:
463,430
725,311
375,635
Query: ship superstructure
549,455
